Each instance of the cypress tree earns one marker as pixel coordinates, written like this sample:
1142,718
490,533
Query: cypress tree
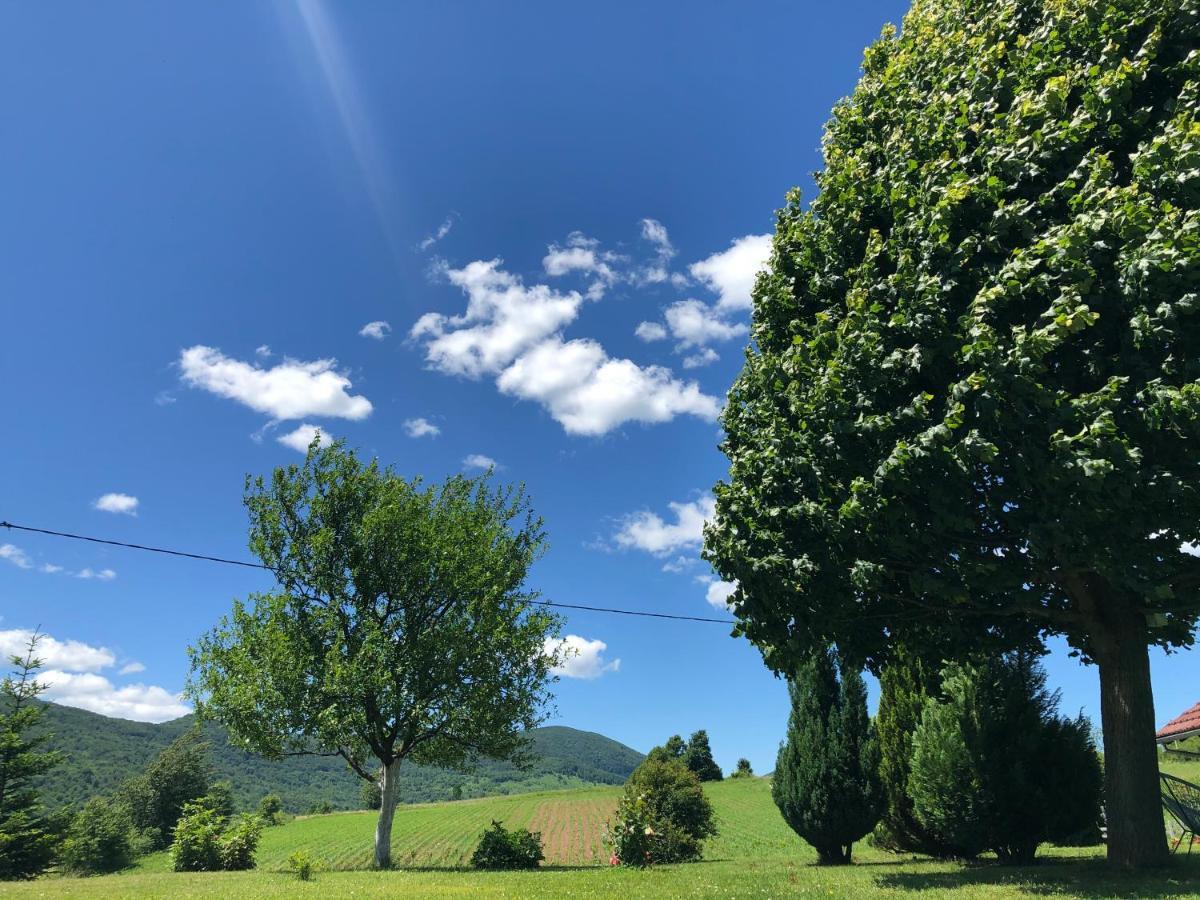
904,686
826,781
28,839
995,767
698,757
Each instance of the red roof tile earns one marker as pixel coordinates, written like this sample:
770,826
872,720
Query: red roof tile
1183,724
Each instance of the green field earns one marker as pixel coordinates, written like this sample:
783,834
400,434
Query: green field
755,855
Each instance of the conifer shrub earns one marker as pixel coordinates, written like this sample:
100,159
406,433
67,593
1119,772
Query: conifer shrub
698,757
826,781
100,839
994,766
905,685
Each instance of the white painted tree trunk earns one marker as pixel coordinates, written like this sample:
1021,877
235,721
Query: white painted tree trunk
389,797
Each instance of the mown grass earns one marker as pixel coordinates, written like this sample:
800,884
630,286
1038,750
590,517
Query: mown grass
755,855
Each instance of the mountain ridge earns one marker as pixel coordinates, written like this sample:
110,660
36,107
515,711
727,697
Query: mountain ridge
102,751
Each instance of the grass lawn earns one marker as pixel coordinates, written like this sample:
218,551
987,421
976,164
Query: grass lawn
755,855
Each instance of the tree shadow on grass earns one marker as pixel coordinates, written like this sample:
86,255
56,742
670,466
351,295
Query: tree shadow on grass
1084,878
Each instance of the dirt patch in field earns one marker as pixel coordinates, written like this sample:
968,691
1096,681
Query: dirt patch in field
572,829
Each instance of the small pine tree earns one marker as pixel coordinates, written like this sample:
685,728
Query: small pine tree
100,839
995,767
743,769
904,686
826,781
28,839
698,757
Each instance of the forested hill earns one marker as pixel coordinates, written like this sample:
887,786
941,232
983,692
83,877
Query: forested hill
102,752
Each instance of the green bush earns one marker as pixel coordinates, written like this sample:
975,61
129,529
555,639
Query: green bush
304,865
320,808
995,768
207,842
239,843
197,844
663,815
220,799
500,848
270,809
370,795
826,781
743,769
100,839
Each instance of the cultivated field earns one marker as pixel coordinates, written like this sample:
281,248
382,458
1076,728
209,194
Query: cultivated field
755,855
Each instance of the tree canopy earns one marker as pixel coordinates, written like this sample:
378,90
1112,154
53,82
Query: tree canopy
401,627
971,408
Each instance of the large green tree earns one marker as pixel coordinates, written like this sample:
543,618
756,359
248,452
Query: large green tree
28,838
971,408
400,629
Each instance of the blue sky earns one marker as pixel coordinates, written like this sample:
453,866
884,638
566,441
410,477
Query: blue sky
210,208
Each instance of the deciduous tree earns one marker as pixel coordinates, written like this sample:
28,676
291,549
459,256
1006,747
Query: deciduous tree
401,627
971,409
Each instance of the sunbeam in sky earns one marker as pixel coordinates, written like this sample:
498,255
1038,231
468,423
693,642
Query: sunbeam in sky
330,52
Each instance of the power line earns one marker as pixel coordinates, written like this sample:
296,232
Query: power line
253,565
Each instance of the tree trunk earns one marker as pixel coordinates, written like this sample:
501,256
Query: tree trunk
1137,838
389,795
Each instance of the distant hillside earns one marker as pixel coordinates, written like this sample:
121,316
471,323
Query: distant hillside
102,752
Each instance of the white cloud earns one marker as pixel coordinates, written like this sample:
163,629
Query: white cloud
650,532
694,324
117,503
701,357
651,331
51,569
579,657
377,330
164,398
718,592
588,392
658,271
512,331
16,556
73,655
655,232
418,428
581,255
291,389
503,319
679,564
731,272
479,461
300,439
72,679
101,575
139,702
262,351
443,230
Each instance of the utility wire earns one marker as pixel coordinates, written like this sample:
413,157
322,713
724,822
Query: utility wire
252,565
